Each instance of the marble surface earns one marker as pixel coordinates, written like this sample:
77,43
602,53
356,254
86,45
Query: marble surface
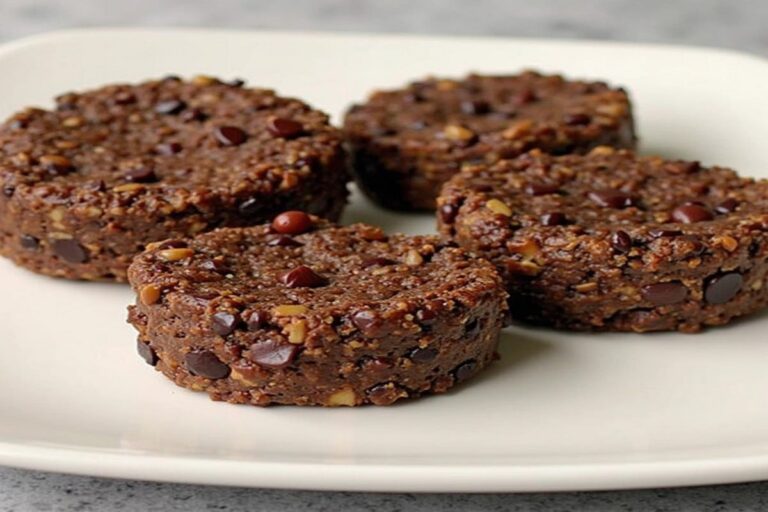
736,24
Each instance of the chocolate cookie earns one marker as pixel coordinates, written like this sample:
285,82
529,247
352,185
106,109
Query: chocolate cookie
86,186
302,312
406,143
612,241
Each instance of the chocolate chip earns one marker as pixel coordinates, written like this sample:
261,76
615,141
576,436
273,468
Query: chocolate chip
612,199
472,327
727,206
57,165
170,107
285,128
448,213
29,242
168,149
124,98
553,219
427,315
230,135
204,363
662,233
621,242
541,189
524,97
250,207
283,241
69,250
422,355
8,190
237,82
691,212
577,119
171,78
292,223
95,186
224,323
682,167
216,265
376,262
193,114
464,370
386,393
147,353
664,294
302,277
370,324
475,107
256,320
273,353
721,288
140,175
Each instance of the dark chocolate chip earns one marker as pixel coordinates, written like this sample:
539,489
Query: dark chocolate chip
285,128
193,114
95,186
664,294
472,327
204,363
168,149
682,167
612,199
8,190
448,213
376,262
147,353
385,393
250,207
69,250
292,223
29,242
553,219
302,277
662,233
273,353
691,212
124,98
464,370
721,288
541,189
283,241
58,166
224,323
216,265
621,242
524,97
171,78
256,320
140,175
475,107
577,119
170,107
426,316
370,324
230,135
422,355
237,82
727,206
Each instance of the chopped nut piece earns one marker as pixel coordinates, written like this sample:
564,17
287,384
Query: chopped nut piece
458,132
175,254
57,214
73,122
203,80
518,130
149,294
585,287
289,310
66,144
497,206
343,397
297,331
413,258
728,243
528,248
129,187
602,150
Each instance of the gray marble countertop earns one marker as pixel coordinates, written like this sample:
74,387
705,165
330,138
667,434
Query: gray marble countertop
736,24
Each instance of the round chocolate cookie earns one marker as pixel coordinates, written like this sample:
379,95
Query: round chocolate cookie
302,312
406,143
84,187
612,241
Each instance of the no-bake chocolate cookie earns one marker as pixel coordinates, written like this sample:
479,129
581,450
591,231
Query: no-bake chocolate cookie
613,241
302,312
84,187
406,143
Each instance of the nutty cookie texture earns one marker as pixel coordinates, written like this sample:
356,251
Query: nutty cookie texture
84,187
303,312
616,242
406,143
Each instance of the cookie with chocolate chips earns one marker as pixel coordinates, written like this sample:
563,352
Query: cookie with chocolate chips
406,143
615,242
303,312
87,185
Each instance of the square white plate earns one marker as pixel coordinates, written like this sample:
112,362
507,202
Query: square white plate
558,412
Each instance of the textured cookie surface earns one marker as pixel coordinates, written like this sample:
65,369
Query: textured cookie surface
311,314
406,143
86,186
612,241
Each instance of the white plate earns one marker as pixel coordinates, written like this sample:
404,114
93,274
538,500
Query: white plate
558,412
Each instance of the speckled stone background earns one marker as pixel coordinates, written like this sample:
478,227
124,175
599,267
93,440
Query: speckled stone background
736,24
